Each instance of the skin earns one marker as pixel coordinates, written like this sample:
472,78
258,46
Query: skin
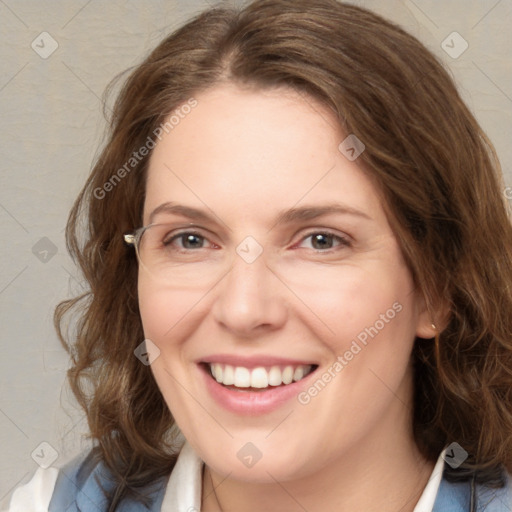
351,445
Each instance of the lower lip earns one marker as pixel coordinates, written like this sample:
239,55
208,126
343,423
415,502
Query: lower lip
252,403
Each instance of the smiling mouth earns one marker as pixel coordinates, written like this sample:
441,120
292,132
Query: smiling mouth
259,378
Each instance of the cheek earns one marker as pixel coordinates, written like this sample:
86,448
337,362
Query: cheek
371,318
156,311
360,303
169,317
374,338
165,312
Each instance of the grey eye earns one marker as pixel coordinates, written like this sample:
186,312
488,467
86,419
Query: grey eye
322,241
189,240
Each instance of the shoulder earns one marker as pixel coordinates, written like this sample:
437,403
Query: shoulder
34,495
460,496
82,483
78,481
40,491
77,486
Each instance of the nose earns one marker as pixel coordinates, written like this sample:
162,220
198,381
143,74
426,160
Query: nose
250,299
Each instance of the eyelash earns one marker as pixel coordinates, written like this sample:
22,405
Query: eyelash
343,242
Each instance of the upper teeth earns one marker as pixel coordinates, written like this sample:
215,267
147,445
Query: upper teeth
259,377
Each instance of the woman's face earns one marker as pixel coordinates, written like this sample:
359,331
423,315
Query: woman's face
291,265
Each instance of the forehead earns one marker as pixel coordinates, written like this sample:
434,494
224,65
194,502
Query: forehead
243,151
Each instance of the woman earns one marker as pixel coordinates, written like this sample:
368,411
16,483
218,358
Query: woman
299,257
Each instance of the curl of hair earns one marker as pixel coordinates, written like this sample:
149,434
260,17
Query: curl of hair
440,182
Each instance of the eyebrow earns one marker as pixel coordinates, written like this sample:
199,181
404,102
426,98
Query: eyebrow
289,216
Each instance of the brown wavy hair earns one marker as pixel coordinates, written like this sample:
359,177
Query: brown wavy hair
435,168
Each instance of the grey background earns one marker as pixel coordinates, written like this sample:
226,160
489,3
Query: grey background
51,126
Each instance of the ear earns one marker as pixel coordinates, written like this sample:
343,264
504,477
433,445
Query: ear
431,321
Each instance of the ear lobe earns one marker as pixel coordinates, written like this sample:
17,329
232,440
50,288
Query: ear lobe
426,329
431,322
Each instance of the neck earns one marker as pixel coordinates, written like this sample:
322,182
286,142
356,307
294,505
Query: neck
381,471
383,478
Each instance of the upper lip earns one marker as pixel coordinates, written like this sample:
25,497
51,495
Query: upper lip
253,361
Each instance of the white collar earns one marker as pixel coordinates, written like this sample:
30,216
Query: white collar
183,492
428,498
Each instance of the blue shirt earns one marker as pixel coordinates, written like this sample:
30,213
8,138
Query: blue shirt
77,489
